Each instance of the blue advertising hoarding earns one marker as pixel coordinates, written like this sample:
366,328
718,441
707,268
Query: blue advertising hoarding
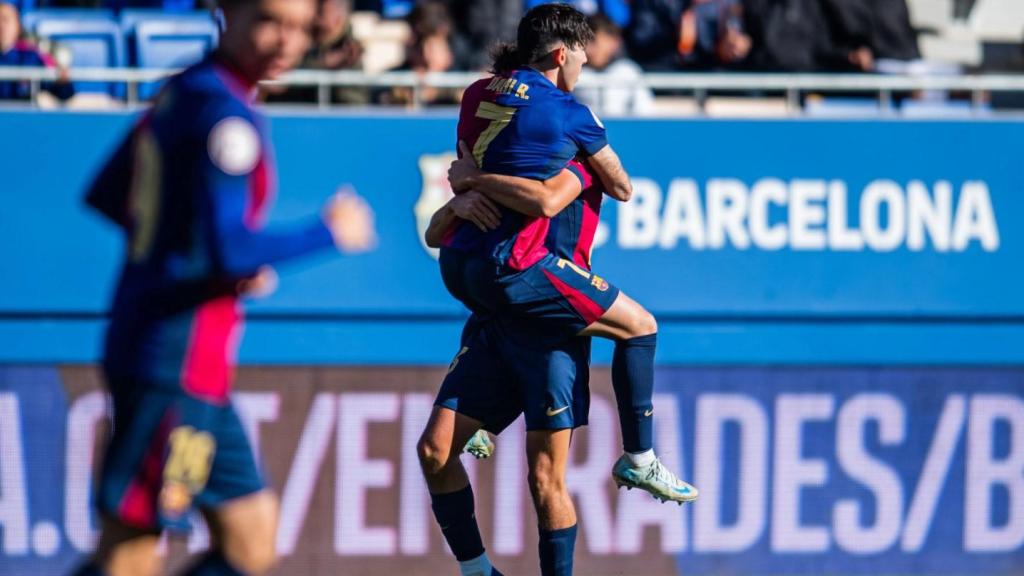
845,471
801,232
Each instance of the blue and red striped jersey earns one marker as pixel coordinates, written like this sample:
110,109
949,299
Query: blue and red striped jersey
521,124
570,233
190,186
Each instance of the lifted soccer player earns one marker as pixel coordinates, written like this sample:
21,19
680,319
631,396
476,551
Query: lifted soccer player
190,187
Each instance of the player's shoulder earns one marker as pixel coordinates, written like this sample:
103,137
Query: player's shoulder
205,93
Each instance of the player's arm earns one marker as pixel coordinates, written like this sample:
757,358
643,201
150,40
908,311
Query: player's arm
610,171
229,157
589,134
471,206
524,195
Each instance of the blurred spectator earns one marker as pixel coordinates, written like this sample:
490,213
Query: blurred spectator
429,50
478,25
665,35
652,37
16,51
334,48
712,34
794,36
829,35
871,30
617,10
625,93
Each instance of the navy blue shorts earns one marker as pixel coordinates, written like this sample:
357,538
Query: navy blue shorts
169,454
547,303
493,379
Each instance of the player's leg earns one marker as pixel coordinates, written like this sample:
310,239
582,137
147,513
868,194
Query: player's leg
439,448
472,396
547,453
241,512
124,551
635,332
561,292
129,484
451,495
555,384
242,537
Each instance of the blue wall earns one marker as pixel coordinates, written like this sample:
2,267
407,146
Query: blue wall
772,242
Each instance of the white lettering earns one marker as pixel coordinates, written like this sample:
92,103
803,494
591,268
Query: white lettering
879,193
13,501
806,215
975,219
83,420
927,214
767,236
727,210
683,216
638,218
713,412
871,472
985,472
792,472
301,482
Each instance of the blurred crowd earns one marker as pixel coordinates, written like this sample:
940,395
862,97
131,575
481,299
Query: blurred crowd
632,36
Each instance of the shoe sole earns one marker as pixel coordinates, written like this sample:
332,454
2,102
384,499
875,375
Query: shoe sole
619,483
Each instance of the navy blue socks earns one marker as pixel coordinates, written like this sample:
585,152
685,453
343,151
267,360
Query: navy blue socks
456,515
633,381
556,549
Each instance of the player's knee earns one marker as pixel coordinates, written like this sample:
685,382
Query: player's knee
251,548
642,323
433,456
545,482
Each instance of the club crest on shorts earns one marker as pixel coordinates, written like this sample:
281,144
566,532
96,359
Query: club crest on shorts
175,499
434,193
600,283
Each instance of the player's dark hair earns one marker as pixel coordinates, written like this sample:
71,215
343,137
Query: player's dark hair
539,30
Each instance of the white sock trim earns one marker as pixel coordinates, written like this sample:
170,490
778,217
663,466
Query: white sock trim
641,459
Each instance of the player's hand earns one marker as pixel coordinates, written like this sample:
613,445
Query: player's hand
476,208
351,222
463,170
263,284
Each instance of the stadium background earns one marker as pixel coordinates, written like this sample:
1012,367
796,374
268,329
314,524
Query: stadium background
841,342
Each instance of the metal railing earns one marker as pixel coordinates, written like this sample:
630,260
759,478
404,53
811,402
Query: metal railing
700,84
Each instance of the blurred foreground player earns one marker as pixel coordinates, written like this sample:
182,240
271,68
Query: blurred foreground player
190,186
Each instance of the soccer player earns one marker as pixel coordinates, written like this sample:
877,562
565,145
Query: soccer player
524,122
190,187
497,375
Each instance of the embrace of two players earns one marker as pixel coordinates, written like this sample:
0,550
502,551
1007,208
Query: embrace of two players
515,247
190,185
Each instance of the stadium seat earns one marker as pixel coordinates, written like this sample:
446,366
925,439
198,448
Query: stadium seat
31,19
842,107
998,20
171,44
932,15
942,109
131,18
93,43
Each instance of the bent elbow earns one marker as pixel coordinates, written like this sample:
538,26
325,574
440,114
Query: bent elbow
624,191
548,210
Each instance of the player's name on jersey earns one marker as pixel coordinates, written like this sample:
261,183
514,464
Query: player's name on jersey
503,85
809,215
